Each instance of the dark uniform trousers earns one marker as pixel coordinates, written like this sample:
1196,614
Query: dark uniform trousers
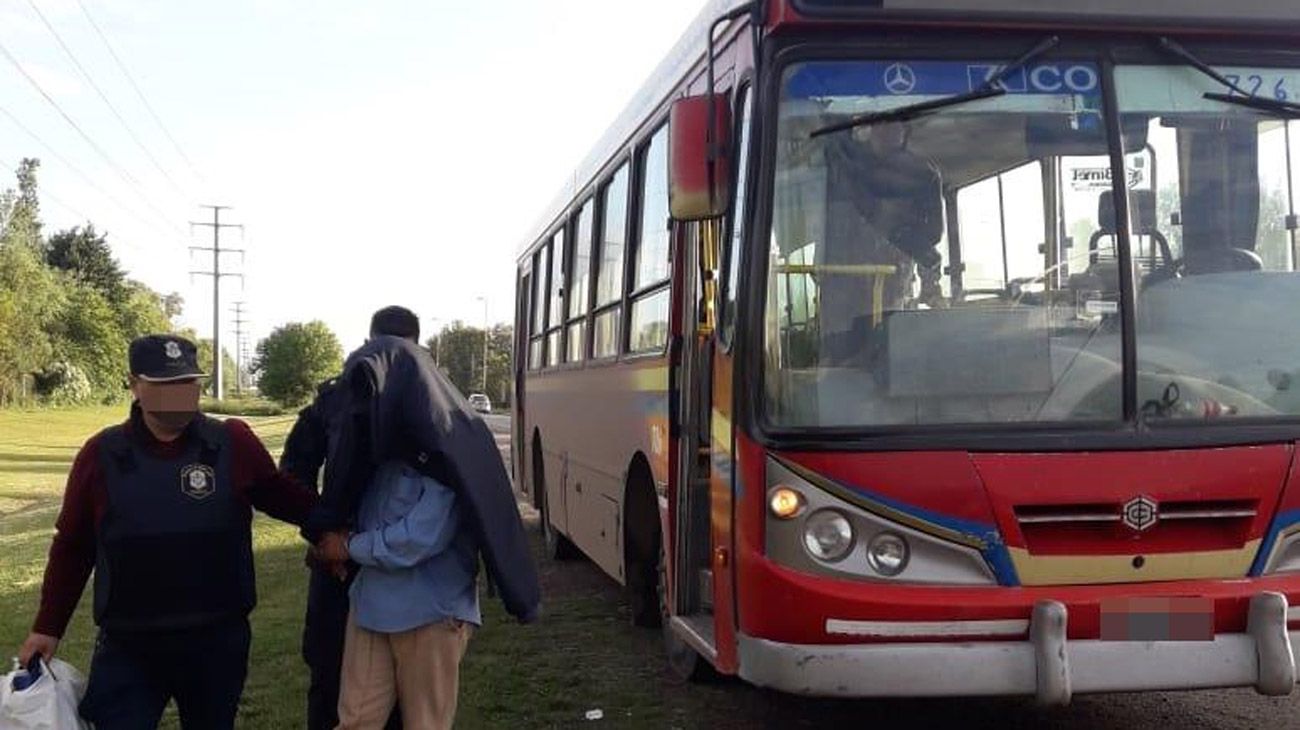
322,647
133,675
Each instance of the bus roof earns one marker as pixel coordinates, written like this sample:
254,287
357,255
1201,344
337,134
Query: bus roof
1165,13
686,53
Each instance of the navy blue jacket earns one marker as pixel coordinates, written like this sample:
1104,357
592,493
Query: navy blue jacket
397,405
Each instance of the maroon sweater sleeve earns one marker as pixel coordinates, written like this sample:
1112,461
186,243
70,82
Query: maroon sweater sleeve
72,554
264,486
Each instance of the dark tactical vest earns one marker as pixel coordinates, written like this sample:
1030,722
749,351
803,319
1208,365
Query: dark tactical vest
175,544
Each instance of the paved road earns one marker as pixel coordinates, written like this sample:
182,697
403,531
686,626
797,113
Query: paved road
735,705
500,425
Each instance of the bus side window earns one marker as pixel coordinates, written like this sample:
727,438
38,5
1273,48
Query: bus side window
537,332
731,256
611,247
1001,219
649,322
579,286
555,309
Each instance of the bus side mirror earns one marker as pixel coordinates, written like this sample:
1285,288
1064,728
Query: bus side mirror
699,165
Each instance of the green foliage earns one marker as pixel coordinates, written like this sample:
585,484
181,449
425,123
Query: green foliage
88,335
243,407
67,311
142,311
206,363
87,257
29,292
459,352
64,384
294,359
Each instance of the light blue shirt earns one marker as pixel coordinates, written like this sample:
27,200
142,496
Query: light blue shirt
419,562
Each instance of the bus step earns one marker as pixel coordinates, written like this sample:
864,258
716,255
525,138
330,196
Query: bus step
696,630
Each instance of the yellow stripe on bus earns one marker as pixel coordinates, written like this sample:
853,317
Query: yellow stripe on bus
1048,570
654,379
721,432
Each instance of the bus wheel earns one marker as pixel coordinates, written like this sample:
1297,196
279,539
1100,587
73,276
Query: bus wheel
682,658
641,556
558,547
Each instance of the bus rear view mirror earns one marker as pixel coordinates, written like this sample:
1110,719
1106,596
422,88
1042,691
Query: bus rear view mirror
699,159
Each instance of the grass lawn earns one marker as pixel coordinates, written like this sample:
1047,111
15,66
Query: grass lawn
36,451
547,675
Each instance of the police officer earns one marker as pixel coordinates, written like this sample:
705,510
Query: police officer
315,435
160,508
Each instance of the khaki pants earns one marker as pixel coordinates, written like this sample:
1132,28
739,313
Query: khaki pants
420,669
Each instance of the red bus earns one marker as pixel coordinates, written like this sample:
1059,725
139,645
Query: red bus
921,347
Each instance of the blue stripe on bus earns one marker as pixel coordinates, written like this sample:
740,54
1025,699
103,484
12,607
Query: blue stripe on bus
1280,523
994,552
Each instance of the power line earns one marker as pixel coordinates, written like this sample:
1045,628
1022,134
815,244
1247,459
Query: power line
52,198
93,144
104,97
80,173
138,92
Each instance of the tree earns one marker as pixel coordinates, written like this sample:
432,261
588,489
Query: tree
88,335
500,346
67,311
294,359
30,296
173,304
227,367
86,255
142,311
459,350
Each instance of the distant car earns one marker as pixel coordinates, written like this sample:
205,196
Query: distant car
480,403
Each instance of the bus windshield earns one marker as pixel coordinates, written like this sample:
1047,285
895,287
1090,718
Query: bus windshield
964,267
1217,333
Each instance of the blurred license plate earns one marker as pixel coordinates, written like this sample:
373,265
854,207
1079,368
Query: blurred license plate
1157,619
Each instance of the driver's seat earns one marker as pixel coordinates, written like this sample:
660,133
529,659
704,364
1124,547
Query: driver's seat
1142,208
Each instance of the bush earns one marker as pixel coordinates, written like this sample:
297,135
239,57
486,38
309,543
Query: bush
63,384
250,407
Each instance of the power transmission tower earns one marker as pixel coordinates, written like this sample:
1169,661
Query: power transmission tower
216,225
240,348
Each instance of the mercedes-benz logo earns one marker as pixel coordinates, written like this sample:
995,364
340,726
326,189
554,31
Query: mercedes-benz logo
1141,514
900,78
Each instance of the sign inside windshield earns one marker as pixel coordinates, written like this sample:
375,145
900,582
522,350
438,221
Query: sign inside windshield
938,78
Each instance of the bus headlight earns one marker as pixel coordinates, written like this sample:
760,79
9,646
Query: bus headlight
828,535
888,553
818,527
785,503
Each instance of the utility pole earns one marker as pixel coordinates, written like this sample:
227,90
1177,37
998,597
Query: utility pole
485,343
437,342
216,225
239,348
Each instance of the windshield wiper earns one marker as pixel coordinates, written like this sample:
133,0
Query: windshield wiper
992,87
1239,96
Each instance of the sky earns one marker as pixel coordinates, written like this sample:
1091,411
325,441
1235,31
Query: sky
382,152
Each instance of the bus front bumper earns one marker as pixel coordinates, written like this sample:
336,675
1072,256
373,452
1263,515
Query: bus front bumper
1047,665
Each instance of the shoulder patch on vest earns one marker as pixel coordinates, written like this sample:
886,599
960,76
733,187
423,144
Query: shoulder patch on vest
198,481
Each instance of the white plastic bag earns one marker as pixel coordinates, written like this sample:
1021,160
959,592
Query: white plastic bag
50,703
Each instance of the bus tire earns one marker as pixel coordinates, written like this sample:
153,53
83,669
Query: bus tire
557,546
641,541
